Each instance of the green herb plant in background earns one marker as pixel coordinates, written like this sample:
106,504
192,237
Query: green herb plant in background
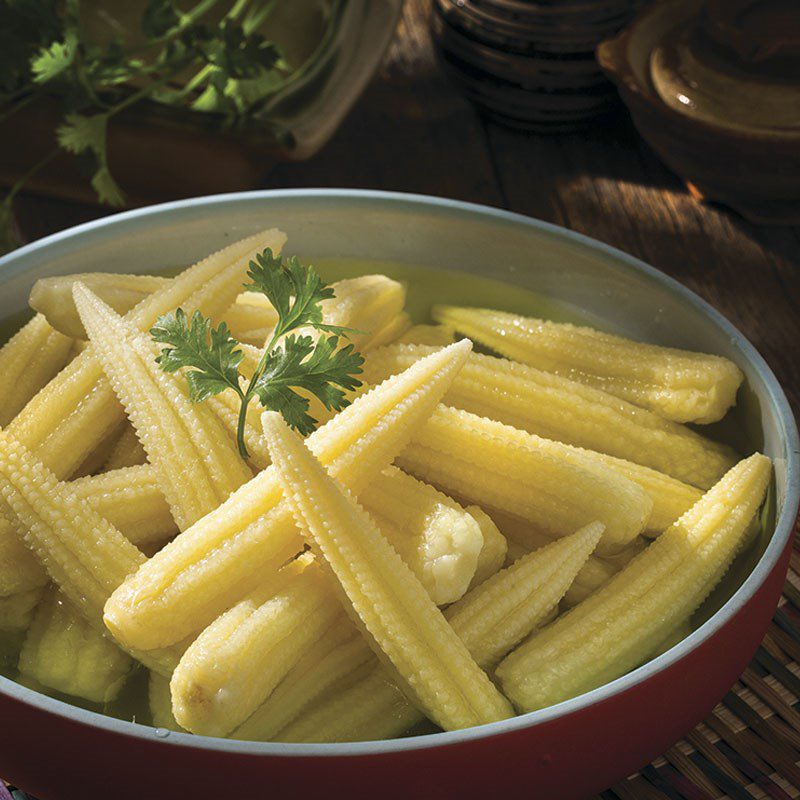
209,56
288,362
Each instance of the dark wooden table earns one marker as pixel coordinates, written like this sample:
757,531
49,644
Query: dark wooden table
412,132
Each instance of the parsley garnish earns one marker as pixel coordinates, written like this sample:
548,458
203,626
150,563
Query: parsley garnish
290,361
210,56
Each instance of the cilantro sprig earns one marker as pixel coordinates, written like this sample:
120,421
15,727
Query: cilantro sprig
209,56
289,364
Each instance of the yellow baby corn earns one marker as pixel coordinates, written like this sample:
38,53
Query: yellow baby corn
490,620
670,498
64,653
225,555
127,451
390,602
239,659
428,335
389,332
676,636
623,623
249,318
332,662
132,500
234,665
20,570
437,538
16,611
678,384
495,547
557,408
52,297
197,462
27,362
66,420
545,482
160,700
82,552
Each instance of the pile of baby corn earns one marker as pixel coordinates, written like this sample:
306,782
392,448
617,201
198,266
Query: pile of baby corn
474,537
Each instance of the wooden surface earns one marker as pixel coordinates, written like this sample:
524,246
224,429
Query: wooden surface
412,132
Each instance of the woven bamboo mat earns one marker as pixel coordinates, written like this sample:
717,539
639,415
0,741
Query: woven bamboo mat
748,748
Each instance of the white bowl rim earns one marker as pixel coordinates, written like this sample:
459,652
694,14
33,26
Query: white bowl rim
784,526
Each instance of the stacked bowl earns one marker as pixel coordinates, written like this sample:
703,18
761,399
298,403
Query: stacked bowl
530,64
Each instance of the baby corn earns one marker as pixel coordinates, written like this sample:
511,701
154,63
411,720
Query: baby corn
623,623
127,451
234,665
593,574
77,409
436,537
494,550
239,659
197,462
561,409
16,611
389,332
333,661
390,602
52,297
27,362
224,556
64,653
678,384
556,489
82,552
131,499
490,620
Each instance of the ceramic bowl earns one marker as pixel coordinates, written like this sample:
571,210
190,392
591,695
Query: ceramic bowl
754,171
572,750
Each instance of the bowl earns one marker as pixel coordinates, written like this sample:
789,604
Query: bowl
572,750
754,170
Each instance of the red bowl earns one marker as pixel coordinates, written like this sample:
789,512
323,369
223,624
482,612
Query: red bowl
571,750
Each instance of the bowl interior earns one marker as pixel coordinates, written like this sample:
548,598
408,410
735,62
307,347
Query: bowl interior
461,254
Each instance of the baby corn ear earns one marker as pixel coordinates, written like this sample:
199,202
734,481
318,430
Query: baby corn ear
16,611
490,620
624,622
64,653
225,555
678,384
555,407
132,501
197,462
240,658
382,591
27,362
82,552
494,550
438,539
127,451
52,297
502,468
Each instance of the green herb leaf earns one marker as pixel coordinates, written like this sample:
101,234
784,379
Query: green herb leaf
318,368
53,60
79,133
295,292
210,352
